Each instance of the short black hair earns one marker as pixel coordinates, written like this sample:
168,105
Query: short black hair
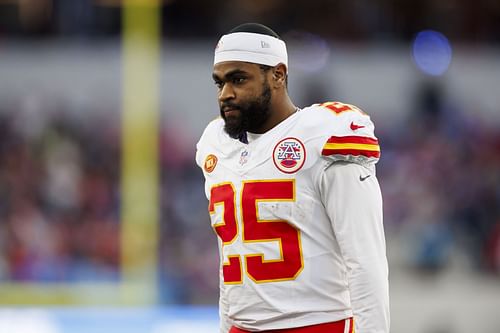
256,28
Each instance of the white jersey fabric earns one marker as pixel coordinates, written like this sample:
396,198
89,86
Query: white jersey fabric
298,211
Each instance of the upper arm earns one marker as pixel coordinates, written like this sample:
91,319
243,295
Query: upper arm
353,201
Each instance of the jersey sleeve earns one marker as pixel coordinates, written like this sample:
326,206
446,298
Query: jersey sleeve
351,195
207,141
224,322
351,135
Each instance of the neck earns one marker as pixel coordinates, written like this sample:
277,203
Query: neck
280,110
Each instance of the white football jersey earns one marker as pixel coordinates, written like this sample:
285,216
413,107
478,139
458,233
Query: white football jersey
291,250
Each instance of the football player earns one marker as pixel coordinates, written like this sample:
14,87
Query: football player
293,198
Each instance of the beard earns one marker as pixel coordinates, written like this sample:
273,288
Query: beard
251,116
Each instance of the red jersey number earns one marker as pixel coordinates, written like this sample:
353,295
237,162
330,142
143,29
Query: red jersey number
254,229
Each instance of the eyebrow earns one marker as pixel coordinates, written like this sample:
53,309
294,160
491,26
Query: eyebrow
229,74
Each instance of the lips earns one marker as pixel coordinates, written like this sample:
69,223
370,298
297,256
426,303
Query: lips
230,111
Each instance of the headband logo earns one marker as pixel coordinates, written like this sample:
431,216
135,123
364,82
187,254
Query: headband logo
251,47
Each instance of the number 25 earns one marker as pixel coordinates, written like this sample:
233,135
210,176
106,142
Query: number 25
290,263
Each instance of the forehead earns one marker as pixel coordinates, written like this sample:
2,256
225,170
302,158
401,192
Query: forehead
223,68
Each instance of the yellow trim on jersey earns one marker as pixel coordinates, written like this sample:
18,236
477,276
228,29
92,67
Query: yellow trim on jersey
240,281
261,255
223,223
221,203
339,105
356,146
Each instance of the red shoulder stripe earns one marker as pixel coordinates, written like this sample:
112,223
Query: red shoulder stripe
354,152
352,139
351,145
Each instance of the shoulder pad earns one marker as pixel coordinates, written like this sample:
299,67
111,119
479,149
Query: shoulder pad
352,137
352,148
338,107
209,139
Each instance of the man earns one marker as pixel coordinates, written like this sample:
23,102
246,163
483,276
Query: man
293,198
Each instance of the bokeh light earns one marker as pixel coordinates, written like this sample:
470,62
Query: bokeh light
432,52
310,53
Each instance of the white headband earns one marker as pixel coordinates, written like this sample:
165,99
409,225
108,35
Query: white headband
251,47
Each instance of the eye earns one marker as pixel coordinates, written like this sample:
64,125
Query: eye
218,84
238,80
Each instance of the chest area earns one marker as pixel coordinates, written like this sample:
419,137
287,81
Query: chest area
279,158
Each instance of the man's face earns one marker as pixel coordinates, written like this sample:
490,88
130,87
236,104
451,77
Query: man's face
244,96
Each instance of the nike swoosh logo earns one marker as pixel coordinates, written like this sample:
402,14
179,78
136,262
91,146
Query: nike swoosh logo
355,127
363,178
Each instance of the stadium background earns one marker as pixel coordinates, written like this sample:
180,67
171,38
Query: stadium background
103,221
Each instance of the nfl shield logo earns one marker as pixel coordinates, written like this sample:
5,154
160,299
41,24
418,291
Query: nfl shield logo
289,155
244,157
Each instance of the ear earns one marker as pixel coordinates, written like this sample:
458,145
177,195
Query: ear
279,75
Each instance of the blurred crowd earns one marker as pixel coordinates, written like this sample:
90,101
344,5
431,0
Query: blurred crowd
60,185
59,218
353,20
440,174
60,202
60,168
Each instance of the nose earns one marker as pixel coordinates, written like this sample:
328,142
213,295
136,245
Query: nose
226,93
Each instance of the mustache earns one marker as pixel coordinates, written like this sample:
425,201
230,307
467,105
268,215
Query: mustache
228,105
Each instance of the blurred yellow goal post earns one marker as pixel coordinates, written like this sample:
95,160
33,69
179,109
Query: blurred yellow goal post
139,179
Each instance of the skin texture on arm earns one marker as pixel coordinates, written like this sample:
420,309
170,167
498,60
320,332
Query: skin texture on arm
352,198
